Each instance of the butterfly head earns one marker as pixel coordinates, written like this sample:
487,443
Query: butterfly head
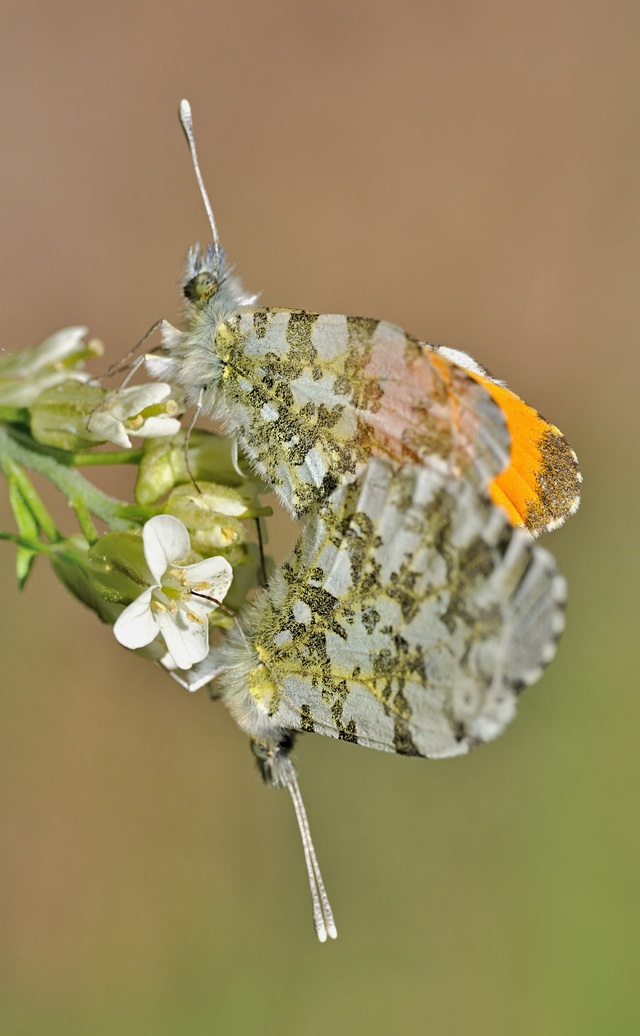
209,283
202,277
206,271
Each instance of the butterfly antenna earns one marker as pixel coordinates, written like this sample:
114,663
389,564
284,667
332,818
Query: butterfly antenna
322,913
186,121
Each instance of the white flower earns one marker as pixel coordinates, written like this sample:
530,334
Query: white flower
25,374
179,600
143,410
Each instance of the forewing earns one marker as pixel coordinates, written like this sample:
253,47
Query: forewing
313,397
541,485
407,619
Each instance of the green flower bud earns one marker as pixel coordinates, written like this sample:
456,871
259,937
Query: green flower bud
212,515
106,576
118,570
212,458
59,415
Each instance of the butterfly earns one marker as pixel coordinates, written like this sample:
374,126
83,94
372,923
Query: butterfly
311,397
408,618
412,610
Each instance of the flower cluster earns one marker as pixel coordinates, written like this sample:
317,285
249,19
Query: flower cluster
172,565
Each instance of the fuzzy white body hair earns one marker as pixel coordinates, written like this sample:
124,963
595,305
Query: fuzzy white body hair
189,359
240,662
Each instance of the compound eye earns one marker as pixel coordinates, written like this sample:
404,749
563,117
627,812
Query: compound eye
201,287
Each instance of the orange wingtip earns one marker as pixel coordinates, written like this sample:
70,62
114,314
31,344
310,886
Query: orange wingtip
541,486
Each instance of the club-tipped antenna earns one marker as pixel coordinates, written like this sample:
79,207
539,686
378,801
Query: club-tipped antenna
186,121
322,913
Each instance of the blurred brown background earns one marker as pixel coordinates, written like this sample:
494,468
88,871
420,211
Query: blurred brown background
471,172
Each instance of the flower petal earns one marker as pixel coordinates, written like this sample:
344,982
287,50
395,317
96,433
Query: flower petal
165,541
130,401
167,662
158,427
136,626
187,642
103,425
216,571
58,346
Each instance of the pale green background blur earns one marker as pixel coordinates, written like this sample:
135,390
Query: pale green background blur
471,172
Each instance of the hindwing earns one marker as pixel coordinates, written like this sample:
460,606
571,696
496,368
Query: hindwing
407,619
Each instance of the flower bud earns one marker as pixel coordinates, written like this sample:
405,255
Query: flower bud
118,569
212,515
212,458
107,575
59,415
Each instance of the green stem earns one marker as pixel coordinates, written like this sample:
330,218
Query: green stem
87,460
40,547
138,512
115,513
14,414
81,459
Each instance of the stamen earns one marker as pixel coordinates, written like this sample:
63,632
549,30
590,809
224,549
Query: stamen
226,610
167,407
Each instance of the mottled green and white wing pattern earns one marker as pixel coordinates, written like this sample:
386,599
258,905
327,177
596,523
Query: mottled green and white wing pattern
407,619
312,397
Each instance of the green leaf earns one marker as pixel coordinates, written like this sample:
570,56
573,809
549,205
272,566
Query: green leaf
27,526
